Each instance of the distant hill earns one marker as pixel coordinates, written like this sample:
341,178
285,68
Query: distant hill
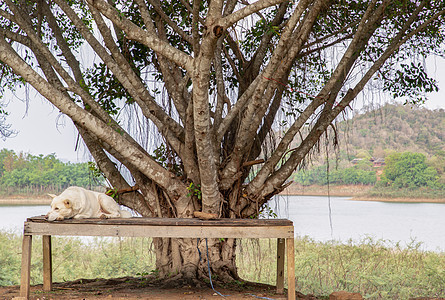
373,142
393,127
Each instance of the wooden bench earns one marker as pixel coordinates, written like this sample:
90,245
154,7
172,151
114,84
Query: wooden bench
281,229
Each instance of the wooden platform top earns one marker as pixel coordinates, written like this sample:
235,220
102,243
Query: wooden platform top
170,222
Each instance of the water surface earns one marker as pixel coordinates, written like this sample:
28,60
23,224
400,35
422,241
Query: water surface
324,219
337,218
13,216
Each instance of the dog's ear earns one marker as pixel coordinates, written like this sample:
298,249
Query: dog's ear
67,203
52,195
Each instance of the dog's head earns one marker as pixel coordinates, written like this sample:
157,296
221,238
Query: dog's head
61,208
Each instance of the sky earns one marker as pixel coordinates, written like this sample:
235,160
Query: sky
42,129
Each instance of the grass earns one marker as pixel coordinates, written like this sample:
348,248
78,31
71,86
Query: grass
374,268
74,258
418,193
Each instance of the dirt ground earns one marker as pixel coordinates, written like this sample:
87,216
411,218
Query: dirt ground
145,288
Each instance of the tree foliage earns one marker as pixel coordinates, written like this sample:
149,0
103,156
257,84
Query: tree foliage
401,170
409,170
214,78
362,173
41,172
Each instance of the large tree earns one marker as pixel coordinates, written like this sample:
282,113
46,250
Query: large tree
228,85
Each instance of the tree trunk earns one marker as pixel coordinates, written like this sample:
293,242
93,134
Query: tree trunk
184,261
187,261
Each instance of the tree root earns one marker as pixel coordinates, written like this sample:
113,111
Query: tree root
180,280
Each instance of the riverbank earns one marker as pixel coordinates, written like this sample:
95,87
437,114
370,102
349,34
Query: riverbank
355,192
25,200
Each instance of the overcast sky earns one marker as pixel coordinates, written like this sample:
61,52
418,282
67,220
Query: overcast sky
42,129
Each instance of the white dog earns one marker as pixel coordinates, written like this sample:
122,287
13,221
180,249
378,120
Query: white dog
79,203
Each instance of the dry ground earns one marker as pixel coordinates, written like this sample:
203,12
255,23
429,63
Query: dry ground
144,288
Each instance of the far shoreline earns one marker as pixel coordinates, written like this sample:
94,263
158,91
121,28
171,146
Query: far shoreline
24,200
375,199
353,192
400,199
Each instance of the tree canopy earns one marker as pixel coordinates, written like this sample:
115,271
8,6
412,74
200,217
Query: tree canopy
42,173
213,82
408,170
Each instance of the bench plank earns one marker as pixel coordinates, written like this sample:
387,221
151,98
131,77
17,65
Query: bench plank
178,231
171,222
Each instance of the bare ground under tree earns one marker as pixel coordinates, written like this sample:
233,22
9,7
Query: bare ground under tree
147,287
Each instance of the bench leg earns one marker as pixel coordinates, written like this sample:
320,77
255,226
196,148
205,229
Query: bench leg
290,269
26,266
47,264
280,265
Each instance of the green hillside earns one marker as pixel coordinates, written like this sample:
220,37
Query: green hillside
394,127
392,148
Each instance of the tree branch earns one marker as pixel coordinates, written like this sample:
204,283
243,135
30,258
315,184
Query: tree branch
38,45
220,86
241,80
325,46
114,176
260,54
157,7
278,177
234,46
70,58
136,157
240,14
171,71
364,32
16,37
259,84
264,91
267,124
136,33
195,27
174,87
134,87
204,135
7,16
341,30
189,157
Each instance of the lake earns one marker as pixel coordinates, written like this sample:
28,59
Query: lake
324,219
13,216
338,218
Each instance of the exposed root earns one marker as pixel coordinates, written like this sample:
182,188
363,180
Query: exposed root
180,280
